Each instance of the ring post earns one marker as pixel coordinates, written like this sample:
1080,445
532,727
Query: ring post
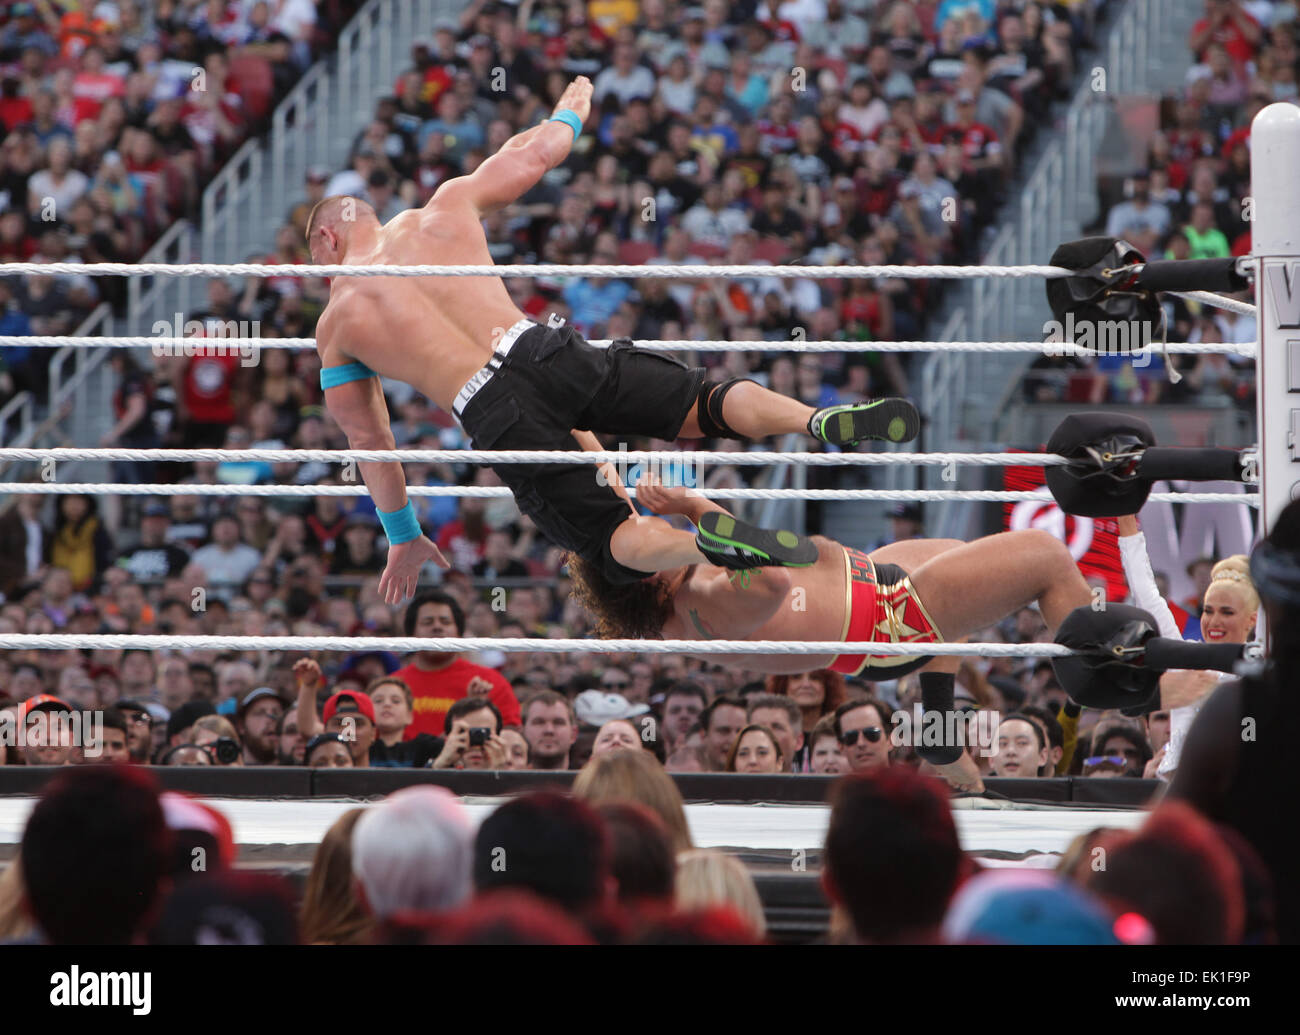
1275,246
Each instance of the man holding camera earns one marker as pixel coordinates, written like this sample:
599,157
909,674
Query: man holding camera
473,737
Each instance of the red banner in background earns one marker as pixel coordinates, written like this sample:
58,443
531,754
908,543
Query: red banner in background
1093,542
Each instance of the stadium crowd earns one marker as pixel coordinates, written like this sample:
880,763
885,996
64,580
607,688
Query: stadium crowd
1189,200
112,117
895,147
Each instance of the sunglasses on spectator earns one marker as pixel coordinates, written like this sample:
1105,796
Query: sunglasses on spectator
614,684
1100,760
850,737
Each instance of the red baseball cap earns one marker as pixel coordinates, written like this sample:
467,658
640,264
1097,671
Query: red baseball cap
46,701
349,701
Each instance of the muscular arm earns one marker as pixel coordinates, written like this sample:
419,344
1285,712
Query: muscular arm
361,412
523,159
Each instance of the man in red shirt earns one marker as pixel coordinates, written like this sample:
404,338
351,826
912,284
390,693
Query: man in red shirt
1226,24
437,679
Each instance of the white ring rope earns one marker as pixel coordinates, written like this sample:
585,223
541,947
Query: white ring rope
533,456
1232,305
182,346
254,269
494,492
406,645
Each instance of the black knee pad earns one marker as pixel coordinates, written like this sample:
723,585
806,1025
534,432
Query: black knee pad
709,409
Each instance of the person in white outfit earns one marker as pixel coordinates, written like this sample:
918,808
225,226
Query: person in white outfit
1228,616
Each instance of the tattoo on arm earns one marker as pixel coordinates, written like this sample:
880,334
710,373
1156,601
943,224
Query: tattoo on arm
701,626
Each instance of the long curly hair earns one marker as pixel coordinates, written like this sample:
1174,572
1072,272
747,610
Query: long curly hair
631,611
832,683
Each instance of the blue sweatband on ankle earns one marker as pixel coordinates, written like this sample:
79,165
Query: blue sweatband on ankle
400,526
570,119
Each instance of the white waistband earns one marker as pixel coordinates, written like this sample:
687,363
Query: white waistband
503,347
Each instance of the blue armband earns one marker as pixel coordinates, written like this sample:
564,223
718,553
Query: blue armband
400,526
570,119
332,377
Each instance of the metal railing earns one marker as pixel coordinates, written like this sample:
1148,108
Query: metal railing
963,398
314,124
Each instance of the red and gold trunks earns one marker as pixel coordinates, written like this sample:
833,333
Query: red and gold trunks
881,606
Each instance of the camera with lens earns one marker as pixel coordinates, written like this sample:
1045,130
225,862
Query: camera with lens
478,735
225,751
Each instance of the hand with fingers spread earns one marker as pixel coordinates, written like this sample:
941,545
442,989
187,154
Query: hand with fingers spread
405,562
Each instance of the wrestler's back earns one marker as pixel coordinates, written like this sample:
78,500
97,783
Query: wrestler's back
813,610
434,333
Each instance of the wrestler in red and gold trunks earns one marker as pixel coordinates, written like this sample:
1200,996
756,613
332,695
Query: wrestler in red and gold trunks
882,606
914,591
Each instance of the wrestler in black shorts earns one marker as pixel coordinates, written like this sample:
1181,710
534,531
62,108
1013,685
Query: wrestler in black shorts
543,382
551,382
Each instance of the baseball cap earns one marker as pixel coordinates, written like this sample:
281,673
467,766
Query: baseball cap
43,702
319,173
349,702
909,511
1027,907
156,510
187,715
131,704
253,696
595,707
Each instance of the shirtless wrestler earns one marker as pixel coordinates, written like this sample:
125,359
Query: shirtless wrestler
514,384
916,591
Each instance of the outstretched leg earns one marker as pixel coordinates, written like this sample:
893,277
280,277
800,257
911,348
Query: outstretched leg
980,583
745,409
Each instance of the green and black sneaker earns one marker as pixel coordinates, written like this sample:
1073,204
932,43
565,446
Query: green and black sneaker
731,543
885,420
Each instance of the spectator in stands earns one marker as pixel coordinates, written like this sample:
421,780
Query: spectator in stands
331,912
825,755
783,719
755,750
721,722
438,679
863,730
682,706
547,843
226,562
708,878
258,721
414,851
891,829
473,737
635,776
113,816
551,729
1175,858
1022,748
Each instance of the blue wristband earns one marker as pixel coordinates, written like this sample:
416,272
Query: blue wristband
400,526
570,119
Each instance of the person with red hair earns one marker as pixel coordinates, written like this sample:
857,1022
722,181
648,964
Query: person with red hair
817,693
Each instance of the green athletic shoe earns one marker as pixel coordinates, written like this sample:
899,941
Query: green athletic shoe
731,543
886,420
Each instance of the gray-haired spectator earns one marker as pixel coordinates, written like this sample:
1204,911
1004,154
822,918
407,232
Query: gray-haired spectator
414,851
